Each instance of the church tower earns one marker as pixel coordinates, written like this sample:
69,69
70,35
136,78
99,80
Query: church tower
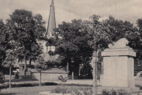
49,32
51,22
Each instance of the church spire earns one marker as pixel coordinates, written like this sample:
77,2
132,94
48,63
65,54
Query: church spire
51,21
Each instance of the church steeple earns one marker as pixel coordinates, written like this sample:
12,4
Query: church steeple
51,21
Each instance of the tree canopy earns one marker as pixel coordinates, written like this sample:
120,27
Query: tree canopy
75,40
78,39
26,29
19,34
3,41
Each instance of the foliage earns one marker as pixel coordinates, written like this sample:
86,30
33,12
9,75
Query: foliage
115,92
78,39
123,29
111,30
100,32
26,29
2,79
74,42
10,58
73,91
138,41
41,63
19,34
86,71
3,41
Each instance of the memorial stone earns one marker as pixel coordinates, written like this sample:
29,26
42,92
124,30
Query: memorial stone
118,65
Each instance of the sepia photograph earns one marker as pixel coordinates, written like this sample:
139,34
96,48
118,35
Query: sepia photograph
70,47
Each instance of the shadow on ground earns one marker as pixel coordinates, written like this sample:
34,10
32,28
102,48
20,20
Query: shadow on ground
7,94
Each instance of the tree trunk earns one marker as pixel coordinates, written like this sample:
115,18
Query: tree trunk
40,78
72,75
25,68
67,68
30,62
94,73
10,74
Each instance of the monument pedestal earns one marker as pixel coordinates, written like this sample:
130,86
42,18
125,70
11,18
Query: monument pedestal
118,66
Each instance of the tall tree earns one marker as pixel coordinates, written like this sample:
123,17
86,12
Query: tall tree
4,42
74,43
26,29
10,61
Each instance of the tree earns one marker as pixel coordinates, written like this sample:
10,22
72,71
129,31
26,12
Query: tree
101,38
26,29
40,67
137,42
9,62
109,31
3,42
80,39
123,29
74,43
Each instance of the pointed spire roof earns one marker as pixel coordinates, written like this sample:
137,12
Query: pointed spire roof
51,21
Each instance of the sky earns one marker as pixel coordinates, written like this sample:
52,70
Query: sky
66,10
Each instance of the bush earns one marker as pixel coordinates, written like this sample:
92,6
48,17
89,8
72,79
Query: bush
1,78
115,92
73,91
87,91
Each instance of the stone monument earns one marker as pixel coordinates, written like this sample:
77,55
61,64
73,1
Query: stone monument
118,65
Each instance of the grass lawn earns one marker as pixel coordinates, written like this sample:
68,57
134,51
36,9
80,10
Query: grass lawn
35,90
